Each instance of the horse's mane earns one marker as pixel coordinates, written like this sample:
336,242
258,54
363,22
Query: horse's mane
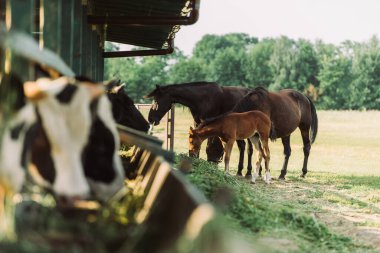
246,103
168,86
210,120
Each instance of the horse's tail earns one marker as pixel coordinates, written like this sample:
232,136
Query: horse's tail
314,122
272,133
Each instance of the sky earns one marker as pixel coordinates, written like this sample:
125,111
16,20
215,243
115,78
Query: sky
333,21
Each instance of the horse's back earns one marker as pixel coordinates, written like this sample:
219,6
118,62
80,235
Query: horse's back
301,102
291,109
247,123
232,95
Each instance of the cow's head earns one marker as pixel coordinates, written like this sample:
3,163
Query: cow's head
72,145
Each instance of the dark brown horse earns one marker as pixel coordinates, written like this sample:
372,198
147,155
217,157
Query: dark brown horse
254,125
204,99
287,109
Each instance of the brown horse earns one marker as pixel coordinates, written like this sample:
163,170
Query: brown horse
287,109
205,100
253,125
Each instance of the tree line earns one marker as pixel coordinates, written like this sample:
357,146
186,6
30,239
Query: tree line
345,76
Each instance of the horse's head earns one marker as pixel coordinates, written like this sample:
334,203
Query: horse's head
124,110
162,103
194,143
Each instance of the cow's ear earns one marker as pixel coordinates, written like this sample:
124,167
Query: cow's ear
33,92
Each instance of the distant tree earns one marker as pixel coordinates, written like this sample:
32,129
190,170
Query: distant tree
282,63
227,67
306,66
335,78
187,70
365,88
209,45
256,67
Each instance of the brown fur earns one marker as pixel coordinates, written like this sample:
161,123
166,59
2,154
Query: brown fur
254,125
288,110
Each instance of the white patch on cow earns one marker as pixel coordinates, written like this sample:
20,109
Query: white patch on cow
67,127
106,190
11,171
54,87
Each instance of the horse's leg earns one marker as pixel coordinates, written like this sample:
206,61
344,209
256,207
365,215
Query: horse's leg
259,157
261,167
306,150
249,166
287,152
266,154
241,146
227,154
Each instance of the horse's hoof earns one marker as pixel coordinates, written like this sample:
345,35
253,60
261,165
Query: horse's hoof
303,175
253,182
281,178
239,174
267,181
248,177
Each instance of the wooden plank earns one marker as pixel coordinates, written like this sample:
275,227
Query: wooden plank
67,16
52,25
2,10
77,31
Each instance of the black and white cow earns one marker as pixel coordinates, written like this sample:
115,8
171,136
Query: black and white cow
66,137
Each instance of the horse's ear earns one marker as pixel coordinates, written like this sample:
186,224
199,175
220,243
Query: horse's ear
154,92
111,84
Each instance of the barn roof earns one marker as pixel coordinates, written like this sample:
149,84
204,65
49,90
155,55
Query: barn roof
145,23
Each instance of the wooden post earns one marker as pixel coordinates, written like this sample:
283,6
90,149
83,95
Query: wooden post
170,129
52,26
77,37
2,10
67,16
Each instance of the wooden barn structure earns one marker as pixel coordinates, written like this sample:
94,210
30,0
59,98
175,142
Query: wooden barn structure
68,37
76,30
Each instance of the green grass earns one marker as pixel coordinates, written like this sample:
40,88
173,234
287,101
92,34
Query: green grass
348,143
325,212
261,211
336,208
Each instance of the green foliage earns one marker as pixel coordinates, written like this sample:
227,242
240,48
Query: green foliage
226,67
345,76
365,88
256,211
256,68
187,70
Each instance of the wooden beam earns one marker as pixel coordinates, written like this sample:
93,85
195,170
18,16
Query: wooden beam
135,53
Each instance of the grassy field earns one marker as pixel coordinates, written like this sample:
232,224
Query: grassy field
335,209
348,143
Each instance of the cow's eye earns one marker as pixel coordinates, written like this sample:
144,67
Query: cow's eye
66,94
15,131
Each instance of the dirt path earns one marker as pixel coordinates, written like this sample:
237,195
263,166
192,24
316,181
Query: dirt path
344,211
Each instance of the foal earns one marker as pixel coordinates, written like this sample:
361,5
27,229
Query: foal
254,125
